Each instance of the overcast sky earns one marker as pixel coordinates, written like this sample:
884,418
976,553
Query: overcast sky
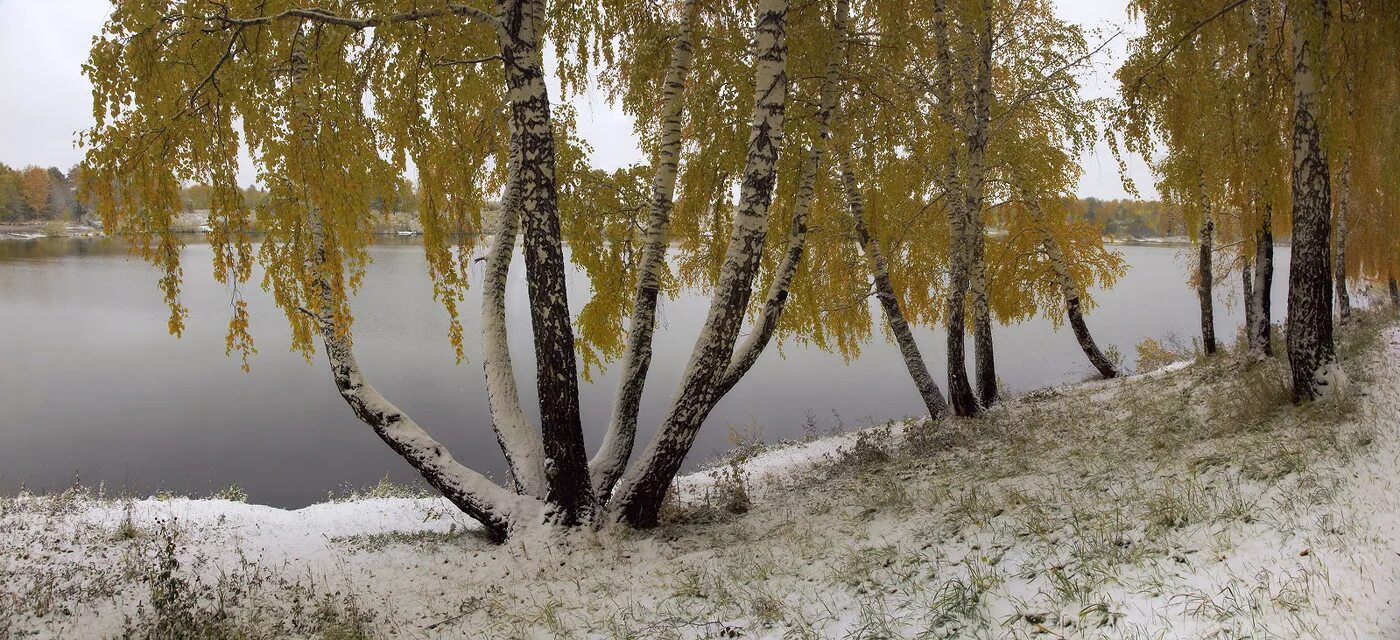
45,100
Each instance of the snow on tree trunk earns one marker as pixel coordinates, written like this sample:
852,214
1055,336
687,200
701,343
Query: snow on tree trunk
1205,280
494,507
1073,306
611,460
640,492
884,291
1343,212
521,445
565,463
1311,352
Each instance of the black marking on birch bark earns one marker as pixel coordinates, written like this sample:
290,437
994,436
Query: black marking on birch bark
1206,282
985,362
1258,329
1261,341
519,442
1073,306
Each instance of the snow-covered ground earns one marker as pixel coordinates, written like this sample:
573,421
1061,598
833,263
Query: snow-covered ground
1194,502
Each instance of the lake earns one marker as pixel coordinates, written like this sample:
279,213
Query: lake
91,384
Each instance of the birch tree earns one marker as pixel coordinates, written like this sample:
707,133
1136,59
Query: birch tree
173,84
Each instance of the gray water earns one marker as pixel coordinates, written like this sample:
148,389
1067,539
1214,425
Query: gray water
91,384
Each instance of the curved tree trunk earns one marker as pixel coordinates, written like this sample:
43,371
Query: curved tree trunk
1073,306
746,355
611,460
884,290
476,495
1311,353
640,492
1343,212
521,445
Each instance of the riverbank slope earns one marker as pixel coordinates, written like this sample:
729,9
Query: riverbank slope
1191,502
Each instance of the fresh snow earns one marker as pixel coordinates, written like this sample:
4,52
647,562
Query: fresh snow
1041,533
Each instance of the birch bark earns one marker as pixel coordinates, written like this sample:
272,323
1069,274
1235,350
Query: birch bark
980,116
1205,281
639,493
1311,352
960,395
565,465
521,445
495,508
1073,304
1343,213
776,298
1259,303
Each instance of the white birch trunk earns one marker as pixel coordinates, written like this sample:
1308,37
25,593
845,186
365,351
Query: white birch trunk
494,507
521,445
960,394
568,490
767,323
1311,353
1259,303
639,494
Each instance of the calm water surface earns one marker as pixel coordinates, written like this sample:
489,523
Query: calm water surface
91,384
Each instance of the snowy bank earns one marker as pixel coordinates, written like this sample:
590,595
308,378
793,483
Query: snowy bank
1191,502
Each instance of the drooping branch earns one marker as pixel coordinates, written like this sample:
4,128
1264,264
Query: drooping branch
884,291
358,23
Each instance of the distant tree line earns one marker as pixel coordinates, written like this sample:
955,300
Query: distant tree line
1129,218
197,197
36,193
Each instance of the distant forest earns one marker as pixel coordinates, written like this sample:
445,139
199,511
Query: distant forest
1123,219
38,194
